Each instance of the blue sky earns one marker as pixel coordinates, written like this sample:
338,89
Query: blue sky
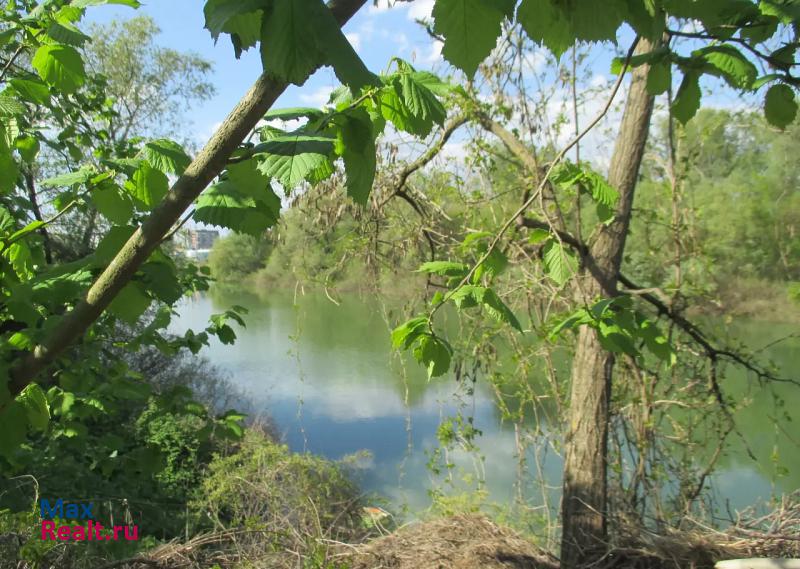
377,34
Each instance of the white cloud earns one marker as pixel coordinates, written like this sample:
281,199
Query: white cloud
380,6
354,39
598,80
318,97
454,150
434,54
399,41
421,9
367,29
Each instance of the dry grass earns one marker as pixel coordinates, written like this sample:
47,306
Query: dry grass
466,541
473,542
776,534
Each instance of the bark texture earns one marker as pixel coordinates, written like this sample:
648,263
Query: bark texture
585,483
208,164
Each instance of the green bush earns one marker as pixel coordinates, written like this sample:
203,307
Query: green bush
236,256
794,292
288,500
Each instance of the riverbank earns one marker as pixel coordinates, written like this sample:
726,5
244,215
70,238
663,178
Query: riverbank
752,298
474,541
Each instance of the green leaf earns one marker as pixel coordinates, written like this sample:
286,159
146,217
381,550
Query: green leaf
494,264
112,203
636,60
356,146
226,334
410,105
148,185
780,106
248,180
66,33
59,285
146,460
291,158
603,194
239,18
288,41
545,25
444,268
162,281
226,205
111,243
130,303
13,427
470,29
433,83
87,3
60,66
34,401
420,101
81,176
408,332
166,155
294,113
788,11
734,67
784,57
245,31
567,175
9,172
498,310
30,228
220,13
687,100
614,339
600,190
434,354
298,36
577,318
467,296
9,105
32,90
600,308
659,77
559,263
337,50
537,236
557,25
28,147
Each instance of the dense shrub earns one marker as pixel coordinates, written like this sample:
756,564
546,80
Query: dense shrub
236,256
287,500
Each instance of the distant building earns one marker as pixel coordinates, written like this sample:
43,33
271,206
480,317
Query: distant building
196,243
198,239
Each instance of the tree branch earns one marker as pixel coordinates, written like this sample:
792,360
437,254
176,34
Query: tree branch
37,214
712,352
204,168
423,160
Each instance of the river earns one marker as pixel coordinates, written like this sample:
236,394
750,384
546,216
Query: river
329,380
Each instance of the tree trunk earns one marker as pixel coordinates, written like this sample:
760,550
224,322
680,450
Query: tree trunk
586,446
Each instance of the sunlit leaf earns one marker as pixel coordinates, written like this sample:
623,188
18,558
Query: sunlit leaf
60,66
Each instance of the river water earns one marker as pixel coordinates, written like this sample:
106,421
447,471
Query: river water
328,378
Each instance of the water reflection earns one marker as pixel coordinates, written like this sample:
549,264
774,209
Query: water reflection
329,379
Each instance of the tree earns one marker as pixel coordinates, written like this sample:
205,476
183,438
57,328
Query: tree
152,86
608,325
235,256
295,38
